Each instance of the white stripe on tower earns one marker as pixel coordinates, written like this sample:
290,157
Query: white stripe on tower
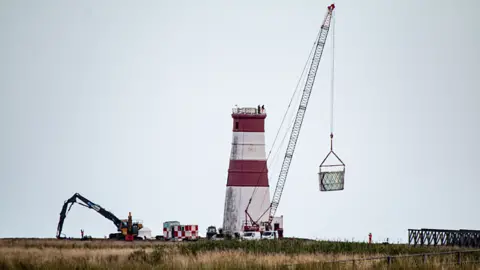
247,170
248,146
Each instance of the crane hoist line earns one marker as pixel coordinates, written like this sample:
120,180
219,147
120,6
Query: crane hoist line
297,124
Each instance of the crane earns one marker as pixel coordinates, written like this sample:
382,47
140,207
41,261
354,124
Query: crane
297,125
127,228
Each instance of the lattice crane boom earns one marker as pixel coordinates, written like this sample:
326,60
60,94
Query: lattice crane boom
320,44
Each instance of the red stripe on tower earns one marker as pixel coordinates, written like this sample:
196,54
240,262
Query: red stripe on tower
247,170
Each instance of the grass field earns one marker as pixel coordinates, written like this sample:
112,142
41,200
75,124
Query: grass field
283,254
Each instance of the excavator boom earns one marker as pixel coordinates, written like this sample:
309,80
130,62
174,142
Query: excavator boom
89,204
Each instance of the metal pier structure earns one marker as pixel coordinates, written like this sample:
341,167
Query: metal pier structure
439,237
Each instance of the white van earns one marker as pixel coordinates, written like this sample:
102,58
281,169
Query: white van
269,235
251,236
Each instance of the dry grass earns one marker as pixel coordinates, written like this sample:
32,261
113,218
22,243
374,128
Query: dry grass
68,244
100,254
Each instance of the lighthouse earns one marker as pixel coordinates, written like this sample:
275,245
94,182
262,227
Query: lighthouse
247,172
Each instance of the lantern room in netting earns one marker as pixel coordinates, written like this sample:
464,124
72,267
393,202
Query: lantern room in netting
331,175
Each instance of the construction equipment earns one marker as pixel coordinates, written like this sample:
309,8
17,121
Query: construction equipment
127,228
297,124
213,234
167,227
174,231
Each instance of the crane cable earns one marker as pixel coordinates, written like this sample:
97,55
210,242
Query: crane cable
283,120
331,101
331,89
301,80
287,131
332,82
277,153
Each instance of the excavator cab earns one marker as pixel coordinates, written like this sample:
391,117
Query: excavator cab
130,228
127,232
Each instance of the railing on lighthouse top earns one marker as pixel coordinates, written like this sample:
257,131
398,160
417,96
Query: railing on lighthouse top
249,110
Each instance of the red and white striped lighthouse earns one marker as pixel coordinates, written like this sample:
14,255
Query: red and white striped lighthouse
247,171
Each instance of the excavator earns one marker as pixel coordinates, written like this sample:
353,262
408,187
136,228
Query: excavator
127,228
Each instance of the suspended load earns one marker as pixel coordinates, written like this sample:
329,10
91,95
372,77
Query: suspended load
332,175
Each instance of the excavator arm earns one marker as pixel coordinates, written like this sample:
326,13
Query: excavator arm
89,204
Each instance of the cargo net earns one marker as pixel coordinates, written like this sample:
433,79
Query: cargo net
331,175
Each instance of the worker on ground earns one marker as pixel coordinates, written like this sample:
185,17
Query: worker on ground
81,233
370,238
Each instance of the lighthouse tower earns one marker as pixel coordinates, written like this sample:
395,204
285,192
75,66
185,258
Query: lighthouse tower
247,171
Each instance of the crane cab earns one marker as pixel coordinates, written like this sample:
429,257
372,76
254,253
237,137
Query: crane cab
273,230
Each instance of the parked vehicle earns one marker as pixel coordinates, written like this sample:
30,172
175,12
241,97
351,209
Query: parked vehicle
251,235
174,231
269,235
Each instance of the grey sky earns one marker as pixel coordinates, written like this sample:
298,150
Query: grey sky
129,105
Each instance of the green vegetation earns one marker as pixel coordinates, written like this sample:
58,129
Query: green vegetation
283,254
300,247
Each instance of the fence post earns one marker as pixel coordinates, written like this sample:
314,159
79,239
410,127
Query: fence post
353,264
389,260
424,258
459,257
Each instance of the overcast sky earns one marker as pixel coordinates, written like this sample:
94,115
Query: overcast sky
129,102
